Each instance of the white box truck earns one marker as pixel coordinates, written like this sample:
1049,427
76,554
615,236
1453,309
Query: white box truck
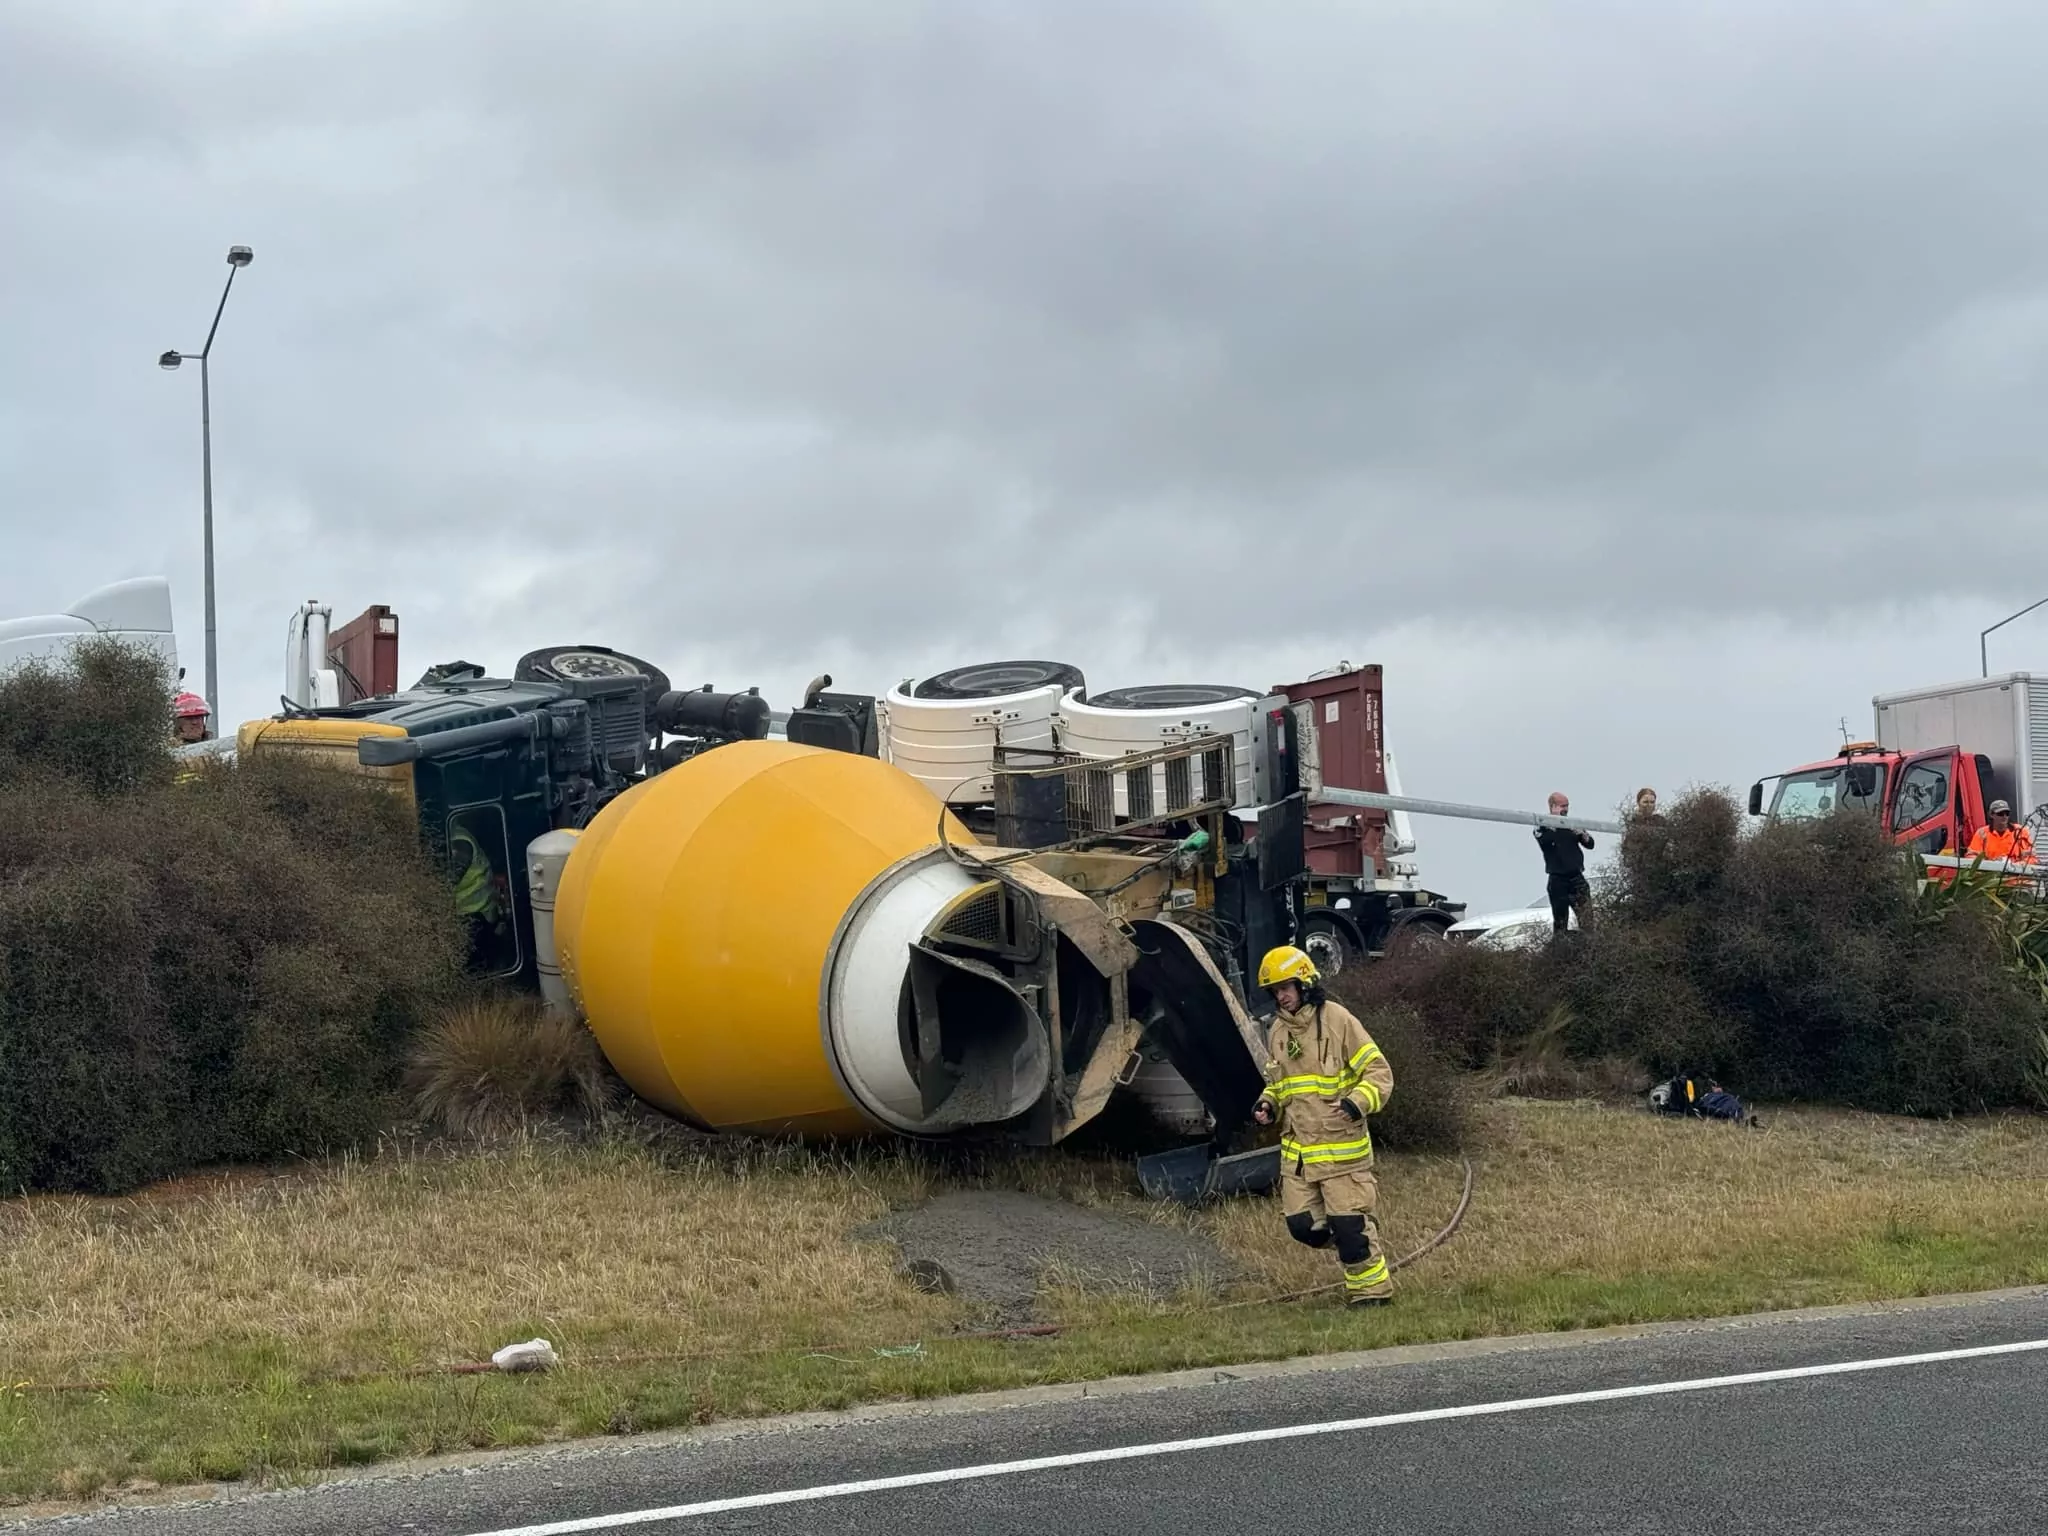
1940,757
1999,724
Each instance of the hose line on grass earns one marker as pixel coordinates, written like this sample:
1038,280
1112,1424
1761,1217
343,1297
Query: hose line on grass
1448,1231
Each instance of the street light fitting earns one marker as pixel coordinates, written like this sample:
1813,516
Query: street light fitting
170,360
1983,639
240,255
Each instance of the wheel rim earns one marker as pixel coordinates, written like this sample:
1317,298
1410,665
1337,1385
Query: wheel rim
1326,949
1417,936
591,665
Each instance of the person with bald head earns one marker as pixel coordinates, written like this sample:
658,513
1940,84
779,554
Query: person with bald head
1564,866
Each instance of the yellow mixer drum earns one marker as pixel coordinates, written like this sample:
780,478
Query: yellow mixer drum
699,911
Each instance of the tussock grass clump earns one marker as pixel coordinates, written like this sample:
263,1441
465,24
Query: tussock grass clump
227,969
1542,1066
1795,961
495,1064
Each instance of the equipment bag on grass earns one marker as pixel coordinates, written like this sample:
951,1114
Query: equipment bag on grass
1687,1094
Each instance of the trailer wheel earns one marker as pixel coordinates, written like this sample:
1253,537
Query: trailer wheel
1330,944
1416,929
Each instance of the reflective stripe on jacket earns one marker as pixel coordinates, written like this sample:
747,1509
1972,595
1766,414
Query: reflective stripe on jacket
474,894
1326,1059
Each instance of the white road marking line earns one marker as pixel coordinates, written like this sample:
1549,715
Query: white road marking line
1245,1437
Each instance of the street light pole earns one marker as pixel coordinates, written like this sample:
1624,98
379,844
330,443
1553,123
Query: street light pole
1983,652
239,256
206,500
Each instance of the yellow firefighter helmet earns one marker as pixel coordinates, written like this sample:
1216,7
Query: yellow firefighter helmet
1287,964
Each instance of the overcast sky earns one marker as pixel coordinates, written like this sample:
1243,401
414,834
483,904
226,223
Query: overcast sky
1644,386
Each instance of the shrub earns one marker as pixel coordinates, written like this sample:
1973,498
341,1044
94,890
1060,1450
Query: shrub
101,721
1427,1112
1793,962
497,1063
1471,1001
223,970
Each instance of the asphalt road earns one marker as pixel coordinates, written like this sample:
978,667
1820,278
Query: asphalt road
1640,1433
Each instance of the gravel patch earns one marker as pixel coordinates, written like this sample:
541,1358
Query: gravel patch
996,1247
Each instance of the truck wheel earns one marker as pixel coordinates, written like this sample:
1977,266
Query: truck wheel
583,663
1416,929
1329,944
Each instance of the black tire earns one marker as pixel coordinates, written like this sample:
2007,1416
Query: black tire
995,679
1416,928
1170,696
583,663
1330,943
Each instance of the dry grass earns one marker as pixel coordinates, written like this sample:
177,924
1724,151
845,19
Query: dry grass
498,1063
404,1260
216,1311
1818,1206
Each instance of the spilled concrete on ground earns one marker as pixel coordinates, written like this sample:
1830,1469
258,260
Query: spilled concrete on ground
999,1250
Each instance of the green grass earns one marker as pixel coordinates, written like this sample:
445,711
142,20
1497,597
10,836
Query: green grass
212,1317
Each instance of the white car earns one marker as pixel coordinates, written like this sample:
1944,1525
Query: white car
1514,928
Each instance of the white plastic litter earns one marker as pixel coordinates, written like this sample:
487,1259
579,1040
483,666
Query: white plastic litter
533,1355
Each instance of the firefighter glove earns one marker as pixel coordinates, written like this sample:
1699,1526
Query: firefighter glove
1351,1109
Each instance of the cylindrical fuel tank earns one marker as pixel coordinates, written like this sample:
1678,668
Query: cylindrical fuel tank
546,857
701,910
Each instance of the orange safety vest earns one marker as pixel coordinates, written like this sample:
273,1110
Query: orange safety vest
2014,843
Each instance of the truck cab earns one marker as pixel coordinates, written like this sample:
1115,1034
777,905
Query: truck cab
1930,801
1938,757
490,764
137,612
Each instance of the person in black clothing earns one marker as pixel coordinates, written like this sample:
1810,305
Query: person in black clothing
1564,861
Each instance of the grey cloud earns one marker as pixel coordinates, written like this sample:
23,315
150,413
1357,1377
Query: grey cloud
760,336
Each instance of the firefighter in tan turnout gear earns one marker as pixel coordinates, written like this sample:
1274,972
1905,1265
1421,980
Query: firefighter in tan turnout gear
1325,1077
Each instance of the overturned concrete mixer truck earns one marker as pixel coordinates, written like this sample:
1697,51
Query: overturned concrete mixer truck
985,904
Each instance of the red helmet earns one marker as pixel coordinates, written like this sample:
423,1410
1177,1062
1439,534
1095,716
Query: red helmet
189,705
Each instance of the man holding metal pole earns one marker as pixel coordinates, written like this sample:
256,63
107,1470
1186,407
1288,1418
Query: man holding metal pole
1564,865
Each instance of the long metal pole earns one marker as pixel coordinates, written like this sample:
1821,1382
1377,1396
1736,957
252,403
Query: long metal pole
1369,801
206,483
206,494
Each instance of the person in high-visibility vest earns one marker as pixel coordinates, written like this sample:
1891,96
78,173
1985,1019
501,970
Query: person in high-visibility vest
477,900
476,893
1325,1077
2000,838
